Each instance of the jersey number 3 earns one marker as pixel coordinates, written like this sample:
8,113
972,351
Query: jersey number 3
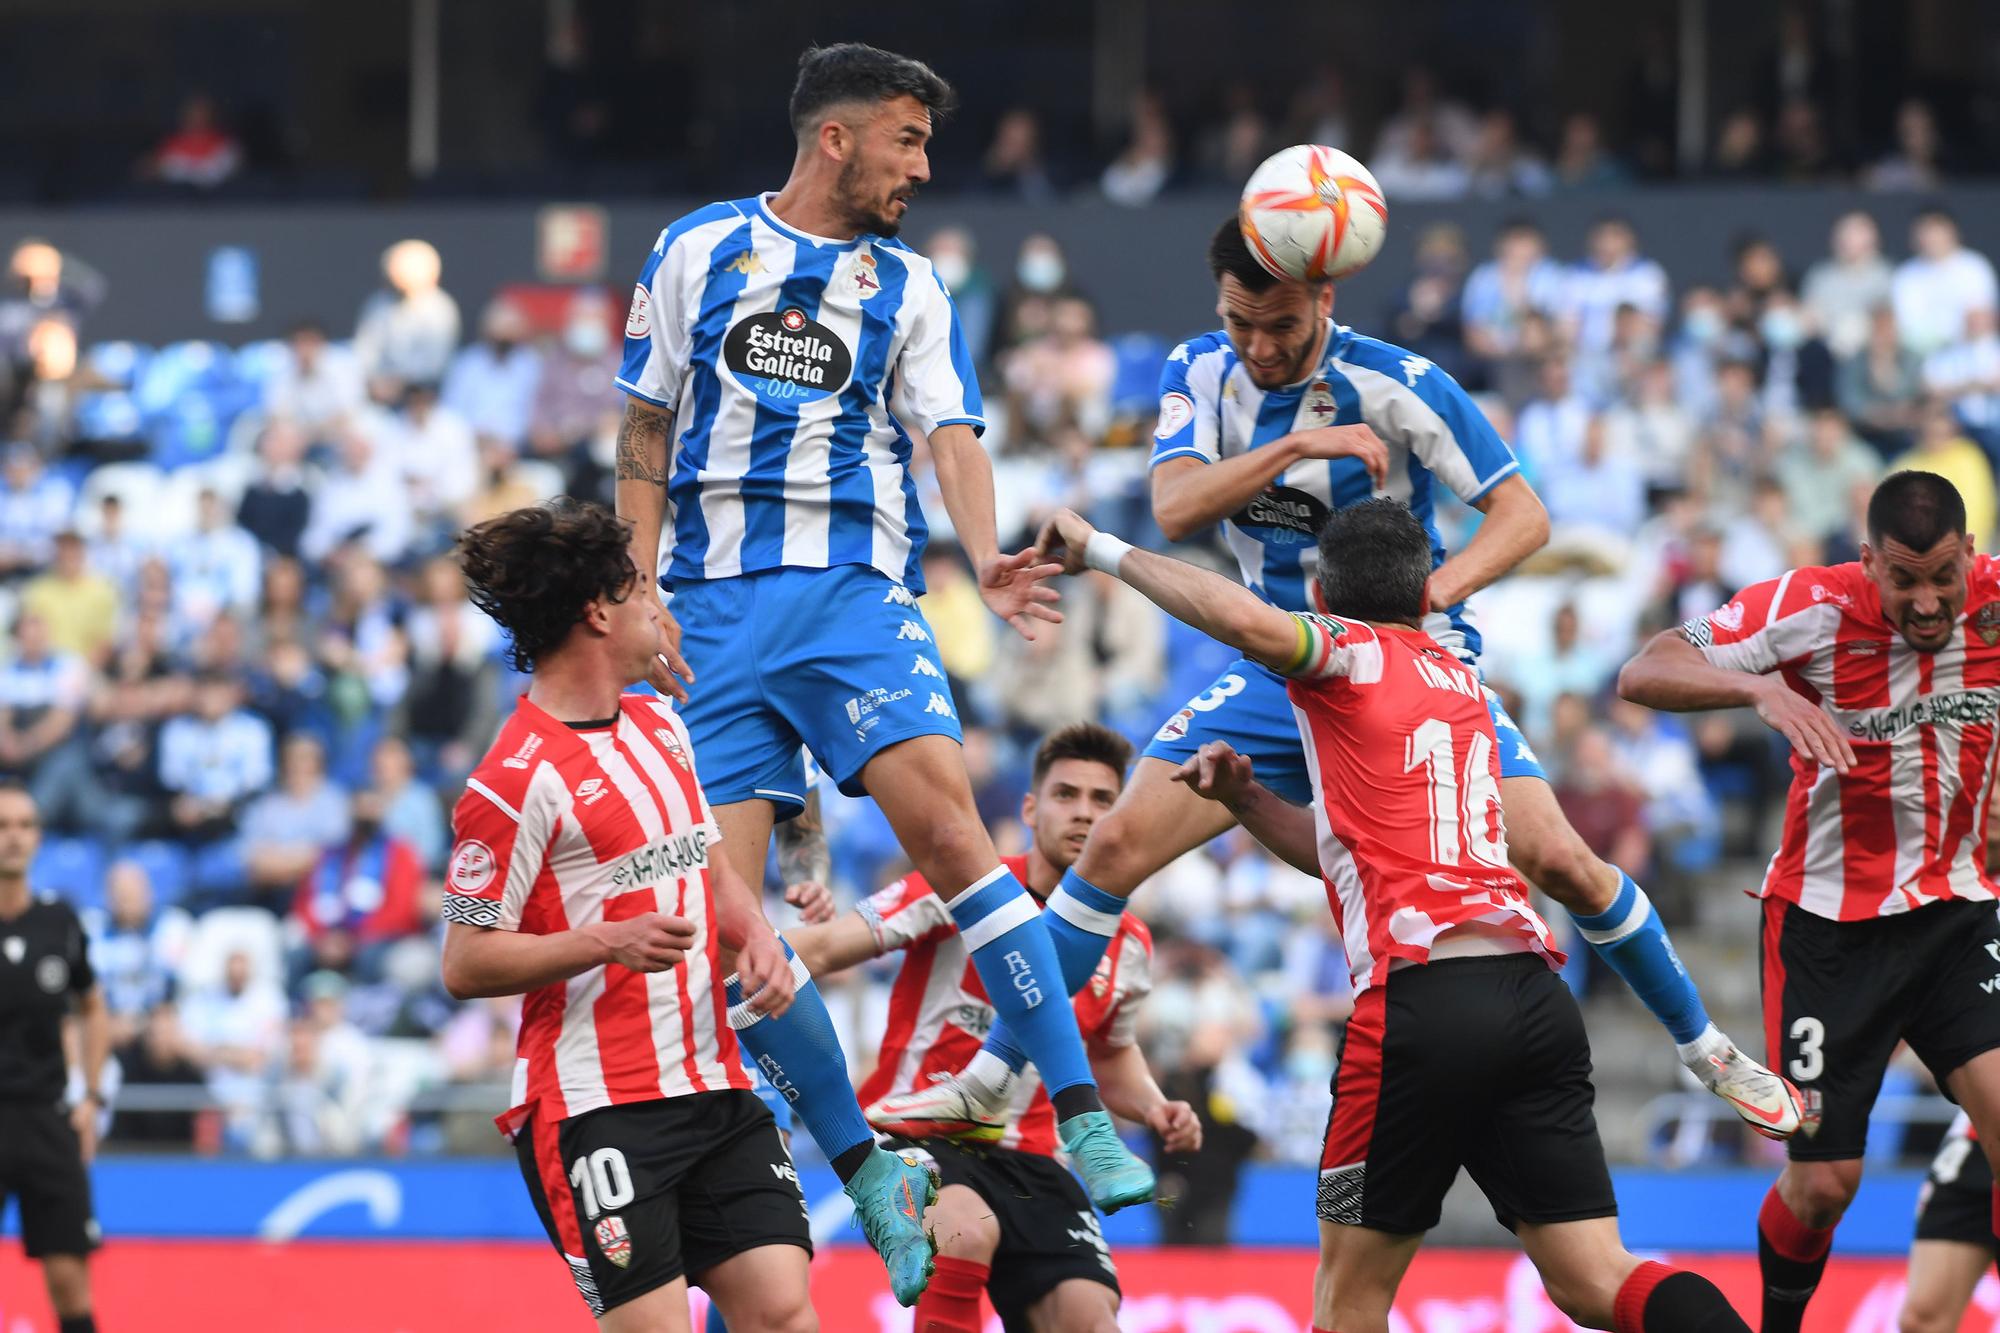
1465,803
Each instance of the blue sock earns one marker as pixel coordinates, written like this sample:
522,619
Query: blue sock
715,1324
1628,936
1082,920
1024,977
800,1053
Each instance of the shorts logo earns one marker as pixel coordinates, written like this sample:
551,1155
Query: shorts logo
937,704
473,866
1993,950
1176,726
912,630
639,322
615,1240
1176,410
861,705
52,974
899,595
591,790
521,757
923,667
1091,1234
1812,1110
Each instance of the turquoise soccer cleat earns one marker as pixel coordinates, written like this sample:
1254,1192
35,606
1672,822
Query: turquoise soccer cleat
890,1194
1114,1177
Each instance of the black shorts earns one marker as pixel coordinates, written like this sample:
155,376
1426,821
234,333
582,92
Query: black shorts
1048,1231
1839,996
635,1196
41,1164
1956,1202
1474,1062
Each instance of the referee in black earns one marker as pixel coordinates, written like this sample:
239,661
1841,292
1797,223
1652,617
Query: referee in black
46,1147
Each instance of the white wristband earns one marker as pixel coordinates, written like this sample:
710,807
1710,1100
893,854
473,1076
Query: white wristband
1104,552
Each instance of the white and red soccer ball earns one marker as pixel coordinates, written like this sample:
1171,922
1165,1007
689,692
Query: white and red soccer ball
1313,214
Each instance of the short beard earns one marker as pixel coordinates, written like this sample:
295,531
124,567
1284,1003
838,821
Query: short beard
856,215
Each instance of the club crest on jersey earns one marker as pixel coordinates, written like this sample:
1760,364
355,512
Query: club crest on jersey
1319,402
52,974
672,745
1987,624
1176,726
865,283
615,1240
786,358
473,866
1730,618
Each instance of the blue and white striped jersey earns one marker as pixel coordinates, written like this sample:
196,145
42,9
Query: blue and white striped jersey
792,364
1210,410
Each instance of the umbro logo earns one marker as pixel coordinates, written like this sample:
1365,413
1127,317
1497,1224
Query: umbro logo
591,790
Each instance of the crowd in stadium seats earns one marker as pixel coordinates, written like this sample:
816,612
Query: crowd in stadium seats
245,683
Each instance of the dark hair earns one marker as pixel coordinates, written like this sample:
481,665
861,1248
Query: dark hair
1936,212
1917,509
1082,740
857,72
1229,255
1374,559
534,571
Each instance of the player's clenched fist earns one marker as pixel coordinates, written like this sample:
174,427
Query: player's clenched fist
1357,441
1218,772
1063,538
1177,1125
650,942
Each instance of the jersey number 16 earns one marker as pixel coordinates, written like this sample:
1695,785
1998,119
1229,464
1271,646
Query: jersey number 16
1465,802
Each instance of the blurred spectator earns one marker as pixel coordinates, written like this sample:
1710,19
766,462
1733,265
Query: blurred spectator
491,384
277,504
199,152
1420,168
964,629
1518,280
574,399
1498,167
1138,174
35,505
364,500
1654,430
1803,155
136,948
450,708
1880,388
1548,434
1820,471
1798,368
287,829
1595,499
1966,374
319,1086
1842,291
1732,436
1698,350
1427,321
317,385
213,760
1757,543
411,812
357,895
79,605
1241,140
42,697
1760,272
433,448
233,1030
216,569
1939,284
1943,448
1040,275
1697,587
1656,749
1582,162
1914,165
360,641
501,485
140,690
1013,163
1426,112
1739,147
113,551
953,254
408,333
42,283
1613,274
160,1055
1604,802
1319,112
1063,377
1569,665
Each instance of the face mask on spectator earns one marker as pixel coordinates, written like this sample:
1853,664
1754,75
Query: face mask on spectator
1780,330
586,337
1703,326
1040,271
953,270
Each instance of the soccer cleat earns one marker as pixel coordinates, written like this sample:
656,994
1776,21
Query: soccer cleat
1767,1102
890,1193
951,1108
1112,1175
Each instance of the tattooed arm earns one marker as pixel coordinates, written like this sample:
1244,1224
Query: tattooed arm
641,490
805,862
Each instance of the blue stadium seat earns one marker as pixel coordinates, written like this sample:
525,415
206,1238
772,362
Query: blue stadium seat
167,865
72,869
257,362
1135,389
119,363
111,416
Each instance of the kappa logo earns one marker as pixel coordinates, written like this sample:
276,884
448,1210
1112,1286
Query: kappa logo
746,263
899,596
522,757
922,667
912,630
615,1240
591,790
937,704
1179,354
1413,369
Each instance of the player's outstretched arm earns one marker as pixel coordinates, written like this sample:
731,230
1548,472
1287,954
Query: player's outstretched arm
741,925
1218,607
1516,527
833,945
1287,831
481,961
1191,494
1128,1089
1013,586
640,491
1673,675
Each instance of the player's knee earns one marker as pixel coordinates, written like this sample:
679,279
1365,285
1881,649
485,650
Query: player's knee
1818,1193
775,1312
1582,1301
963,1225
1923,1315
950,845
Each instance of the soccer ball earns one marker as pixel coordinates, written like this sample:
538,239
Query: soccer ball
1312,213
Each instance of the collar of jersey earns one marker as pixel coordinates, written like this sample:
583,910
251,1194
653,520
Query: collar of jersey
802,237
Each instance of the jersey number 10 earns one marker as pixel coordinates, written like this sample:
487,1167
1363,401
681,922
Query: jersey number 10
1465,806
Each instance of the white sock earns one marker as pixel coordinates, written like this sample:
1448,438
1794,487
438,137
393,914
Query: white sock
1712,1042
987,1077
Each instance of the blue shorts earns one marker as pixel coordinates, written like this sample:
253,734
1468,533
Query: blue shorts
1249,708
839,660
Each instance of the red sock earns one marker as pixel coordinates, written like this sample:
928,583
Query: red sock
1628,1311
950,1304
1792,1238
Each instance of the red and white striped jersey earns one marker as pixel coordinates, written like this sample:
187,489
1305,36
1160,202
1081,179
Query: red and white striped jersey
1406,779
939,1014
564,826
1907,825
